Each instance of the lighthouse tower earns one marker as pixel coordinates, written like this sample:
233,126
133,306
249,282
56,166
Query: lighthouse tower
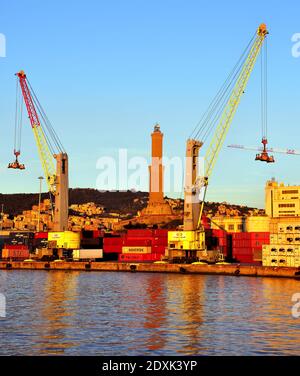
157,204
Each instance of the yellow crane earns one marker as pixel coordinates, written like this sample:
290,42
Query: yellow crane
50,150
190,243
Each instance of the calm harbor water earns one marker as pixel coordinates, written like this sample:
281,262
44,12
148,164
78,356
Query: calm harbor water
105,313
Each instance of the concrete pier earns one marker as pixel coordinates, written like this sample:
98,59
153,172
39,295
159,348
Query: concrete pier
232,269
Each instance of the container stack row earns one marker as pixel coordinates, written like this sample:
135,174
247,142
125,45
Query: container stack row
284,248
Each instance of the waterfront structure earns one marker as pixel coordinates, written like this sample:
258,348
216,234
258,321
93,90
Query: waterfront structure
282,200
157,205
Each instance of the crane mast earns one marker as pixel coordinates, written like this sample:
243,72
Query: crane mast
57,178
192,239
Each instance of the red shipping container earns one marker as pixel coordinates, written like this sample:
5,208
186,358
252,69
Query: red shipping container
245,259
137,233
259,235
15,253
250,235
158,249
160,241
137,242
98,233
16,246
41,235
241,251
222,242
113,241
132,257
160,233
219,233
112,249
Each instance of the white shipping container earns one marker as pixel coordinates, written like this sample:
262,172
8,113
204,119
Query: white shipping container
273,238
90,254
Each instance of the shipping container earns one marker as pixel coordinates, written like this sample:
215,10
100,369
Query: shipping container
137,233
140,258
158,249
98,234
160,241
15,254
112,248
41,235
160,233
16,246
64,239
87,254
136,249
113,244
137,242
219,233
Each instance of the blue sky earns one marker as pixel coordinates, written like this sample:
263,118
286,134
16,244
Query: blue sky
107,71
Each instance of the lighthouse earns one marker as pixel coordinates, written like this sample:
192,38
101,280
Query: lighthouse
156,204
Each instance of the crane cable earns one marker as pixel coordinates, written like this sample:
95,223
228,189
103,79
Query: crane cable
18,119
264,91
209,119
50,134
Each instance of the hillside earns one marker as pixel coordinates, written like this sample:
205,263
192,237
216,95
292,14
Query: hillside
119,201
123,202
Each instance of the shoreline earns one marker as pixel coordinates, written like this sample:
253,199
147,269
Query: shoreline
232,269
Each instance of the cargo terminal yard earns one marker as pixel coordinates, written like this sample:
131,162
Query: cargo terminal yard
257,245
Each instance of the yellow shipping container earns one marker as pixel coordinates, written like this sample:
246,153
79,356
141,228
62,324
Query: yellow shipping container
66,239
139,250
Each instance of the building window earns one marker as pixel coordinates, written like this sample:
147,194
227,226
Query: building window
231,227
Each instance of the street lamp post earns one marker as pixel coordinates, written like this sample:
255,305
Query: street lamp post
2,215
40,194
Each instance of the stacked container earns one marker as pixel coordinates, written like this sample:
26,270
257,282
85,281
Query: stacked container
15,252
218,239
247,246
284,248
144,245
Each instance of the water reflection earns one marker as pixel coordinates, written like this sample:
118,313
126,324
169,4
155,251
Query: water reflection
61,296
99,313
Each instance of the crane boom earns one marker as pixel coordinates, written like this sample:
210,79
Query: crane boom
233,102
39,135
223,126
